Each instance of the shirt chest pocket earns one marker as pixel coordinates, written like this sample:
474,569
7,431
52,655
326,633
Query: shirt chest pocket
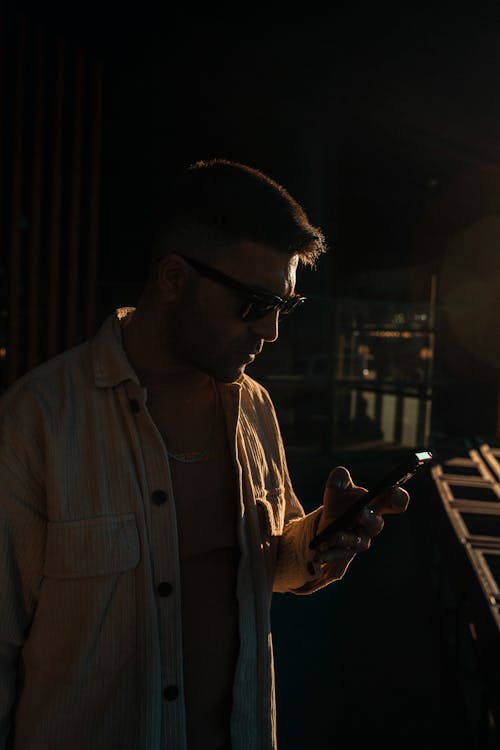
85,620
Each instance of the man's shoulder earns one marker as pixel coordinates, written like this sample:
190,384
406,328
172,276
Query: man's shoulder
252,386
255,391
49,377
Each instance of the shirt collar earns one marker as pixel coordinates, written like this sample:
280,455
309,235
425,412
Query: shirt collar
111,366
109,359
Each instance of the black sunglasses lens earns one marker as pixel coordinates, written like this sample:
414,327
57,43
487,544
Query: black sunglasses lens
259,309
289,305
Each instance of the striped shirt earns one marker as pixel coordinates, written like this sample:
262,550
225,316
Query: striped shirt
90,654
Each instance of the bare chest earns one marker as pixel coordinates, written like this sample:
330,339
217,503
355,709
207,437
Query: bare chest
203,475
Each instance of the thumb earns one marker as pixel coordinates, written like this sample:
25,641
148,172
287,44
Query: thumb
338,479
340,492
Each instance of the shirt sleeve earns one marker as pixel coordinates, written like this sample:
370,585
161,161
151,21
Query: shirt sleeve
22,542
294,568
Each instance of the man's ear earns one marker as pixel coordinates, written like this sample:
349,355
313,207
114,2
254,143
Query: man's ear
171,277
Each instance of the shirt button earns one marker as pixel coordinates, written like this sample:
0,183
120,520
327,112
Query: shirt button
158,497
171,692
134,405
164,588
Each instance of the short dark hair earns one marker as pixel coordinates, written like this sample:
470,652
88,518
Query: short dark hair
218,203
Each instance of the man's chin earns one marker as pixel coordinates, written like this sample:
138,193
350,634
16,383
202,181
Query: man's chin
234,376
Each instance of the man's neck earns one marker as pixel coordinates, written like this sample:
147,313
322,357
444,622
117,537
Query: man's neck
146,347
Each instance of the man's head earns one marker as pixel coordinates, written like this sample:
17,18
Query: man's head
224,264
214,205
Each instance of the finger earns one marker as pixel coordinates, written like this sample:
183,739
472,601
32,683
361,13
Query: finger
339,479
392,500
340,492
369,522
342,545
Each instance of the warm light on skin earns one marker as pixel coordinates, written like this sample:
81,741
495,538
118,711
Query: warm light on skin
187,323
226,336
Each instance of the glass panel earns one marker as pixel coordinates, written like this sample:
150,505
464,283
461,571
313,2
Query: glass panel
351,372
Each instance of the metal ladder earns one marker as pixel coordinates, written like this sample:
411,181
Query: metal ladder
466,553
469,488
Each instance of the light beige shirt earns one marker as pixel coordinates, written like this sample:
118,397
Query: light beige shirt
90,654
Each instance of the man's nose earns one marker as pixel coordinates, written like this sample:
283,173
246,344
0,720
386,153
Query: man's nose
267,327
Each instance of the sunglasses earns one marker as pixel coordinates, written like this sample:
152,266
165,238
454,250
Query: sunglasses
257,302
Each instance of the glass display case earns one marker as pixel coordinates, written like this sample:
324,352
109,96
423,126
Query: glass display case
348,372
383,372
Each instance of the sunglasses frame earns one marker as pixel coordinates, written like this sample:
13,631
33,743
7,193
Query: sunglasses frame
255,296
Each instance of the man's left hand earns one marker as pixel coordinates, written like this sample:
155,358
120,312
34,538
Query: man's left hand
340,492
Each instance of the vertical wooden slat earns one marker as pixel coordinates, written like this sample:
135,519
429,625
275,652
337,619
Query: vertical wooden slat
75,205
2,109
56,151
14,292
94,186
3,252
51,182
36,204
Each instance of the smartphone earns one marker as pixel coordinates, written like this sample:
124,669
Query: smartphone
398,476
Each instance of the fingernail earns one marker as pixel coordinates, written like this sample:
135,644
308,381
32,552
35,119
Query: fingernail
341,481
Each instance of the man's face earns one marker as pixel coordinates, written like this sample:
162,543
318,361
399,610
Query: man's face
211,334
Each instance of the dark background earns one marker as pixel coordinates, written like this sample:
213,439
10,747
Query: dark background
384,123
374,118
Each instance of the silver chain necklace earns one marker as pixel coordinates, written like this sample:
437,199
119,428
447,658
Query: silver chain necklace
190,456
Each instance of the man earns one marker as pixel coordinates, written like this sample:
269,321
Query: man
146,510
